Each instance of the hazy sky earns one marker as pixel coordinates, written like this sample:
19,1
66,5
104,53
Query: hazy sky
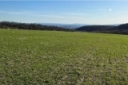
85,12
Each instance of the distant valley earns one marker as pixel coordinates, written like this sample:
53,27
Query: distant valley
113,28
68,26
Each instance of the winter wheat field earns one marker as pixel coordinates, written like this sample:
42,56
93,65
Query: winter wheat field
29,57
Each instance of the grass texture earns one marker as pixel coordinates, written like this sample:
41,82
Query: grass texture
62,58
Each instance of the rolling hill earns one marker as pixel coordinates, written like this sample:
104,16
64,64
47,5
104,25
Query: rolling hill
119,29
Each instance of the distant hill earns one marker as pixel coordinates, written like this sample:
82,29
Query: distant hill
68,26
95,28
117,29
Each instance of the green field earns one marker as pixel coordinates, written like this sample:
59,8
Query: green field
62,58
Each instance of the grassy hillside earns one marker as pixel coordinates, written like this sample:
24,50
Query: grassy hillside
62,58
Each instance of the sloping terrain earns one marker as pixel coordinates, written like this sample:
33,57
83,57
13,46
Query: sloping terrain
29,57
120,29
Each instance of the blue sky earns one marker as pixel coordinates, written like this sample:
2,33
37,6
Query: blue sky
84,12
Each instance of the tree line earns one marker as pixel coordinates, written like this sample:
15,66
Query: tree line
31,26
120,29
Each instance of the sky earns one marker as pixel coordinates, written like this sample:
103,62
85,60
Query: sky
65,11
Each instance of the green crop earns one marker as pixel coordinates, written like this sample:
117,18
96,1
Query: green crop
62,58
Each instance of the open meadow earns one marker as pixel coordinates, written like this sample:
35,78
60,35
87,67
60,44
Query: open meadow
29,57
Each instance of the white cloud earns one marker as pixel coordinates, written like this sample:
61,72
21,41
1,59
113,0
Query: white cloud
78,16
101,9
75,14
110,9
120,11
13,12
31,14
